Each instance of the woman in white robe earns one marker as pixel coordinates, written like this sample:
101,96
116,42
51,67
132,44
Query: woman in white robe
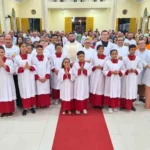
56,63
7,87
97,79
42,77
113,70
81,71
133,66
66,78
26,79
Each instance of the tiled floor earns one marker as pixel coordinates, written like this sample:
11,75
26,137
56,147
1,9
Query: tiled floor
128,130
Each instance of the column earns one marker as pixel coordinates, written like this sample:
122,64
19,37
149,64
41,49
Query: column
2,17
45,14
113,15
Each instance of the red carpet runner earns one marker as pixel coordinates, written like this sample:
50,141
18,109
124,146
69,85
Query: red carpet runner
83,132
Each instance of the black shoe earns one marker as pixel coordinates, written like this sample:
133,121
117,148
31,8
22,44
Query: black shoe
3,115
142,100
122,108
33,110
10,114
133,109
24,113
100,107
94,106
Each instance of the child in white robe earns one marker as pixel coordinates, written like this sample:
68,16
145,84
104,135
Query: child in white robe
66,78
81,70
133,66
7,87
97,79
42,77
26,79
56,63
113,70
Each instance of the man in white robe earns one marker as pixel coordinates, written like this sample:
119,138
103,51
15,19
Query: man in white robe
142,53
90,53
108,46
130,39
50,49
11,51
71,48
122,50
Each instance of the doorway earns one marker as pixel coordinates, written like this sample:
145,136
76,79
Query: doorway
34,24
126,24
79,24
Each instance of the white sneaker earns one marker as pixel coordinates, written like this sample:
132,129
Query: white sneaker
110,110
69,112
56,102
84,111
63,112
77,112
115,109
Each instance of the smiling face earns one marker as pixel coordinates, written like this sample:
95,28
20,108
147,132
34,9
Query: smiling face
66,63
39,51
114,54
81,58
23,48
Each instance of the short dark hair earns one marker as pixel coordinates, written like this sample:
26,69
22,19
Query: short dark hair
20,44
104,31
132,46
80,52
39,46
99,46
1,47
56,45
71,33
113,50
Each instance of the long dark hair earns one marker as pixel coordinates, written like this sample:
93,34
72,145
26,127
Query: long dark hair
18,39
62,66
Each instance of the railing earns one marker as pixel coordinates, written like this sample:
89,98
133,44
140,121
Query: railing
79,1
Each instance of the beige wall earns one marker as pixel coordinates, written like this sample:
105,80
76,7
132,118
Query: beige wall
56,17
142,7
27,6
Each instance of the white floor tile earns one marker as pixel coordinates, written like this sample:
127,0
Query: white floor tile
118,143
20,142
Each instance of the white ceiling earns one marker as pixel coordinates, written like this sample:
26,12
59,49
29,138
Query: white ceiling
20,1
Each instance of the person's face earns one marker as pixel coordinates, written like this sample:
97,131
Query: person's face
34,34
100,51
130,36
145,39
114,55
42,43
28,41
23,49
11,33
8,40
71,37
86,34
58,49
66,63
139,31
42,38
132,51
141,44
46,39
149,39
120,41
105,36
54,39
39,51
2,41
2,53
36,44
87,43
29,49
20,40
81,57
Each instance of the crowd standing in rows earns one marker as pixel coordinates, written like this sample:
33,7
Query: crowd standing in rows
109,69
